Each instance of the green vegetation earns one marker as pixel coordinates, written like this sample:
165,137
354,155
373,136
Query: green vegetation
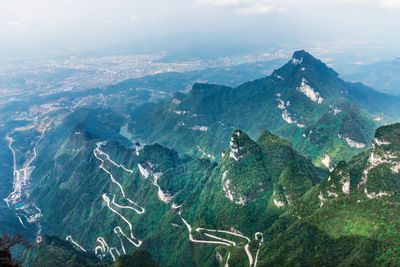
55,252
85,184
340,125
344,228
75,196
138,258
306,220
7,244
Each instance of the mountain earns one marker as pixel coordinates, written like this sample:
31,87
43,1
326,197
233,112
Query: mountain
109,199
281,170
52,251
349,218
381,75
257,178
138,258
262,202
303,101
105,206
128,94
101,110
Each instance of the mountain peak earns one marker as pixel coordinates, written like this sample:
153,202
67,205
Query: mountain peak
305,59
309,76
301,55
240,144
267,139
80,134
389,134
240,138
303,64
383,160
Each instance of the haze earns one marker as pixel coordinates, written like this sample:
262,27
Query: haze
45,26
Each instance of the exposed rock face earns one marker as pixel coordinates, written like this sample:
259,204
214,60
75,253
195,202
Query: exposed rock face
306,89
383,161
337,184
266,168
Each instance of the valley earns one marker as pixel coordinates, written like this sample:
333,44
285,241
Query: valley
201,133
18,199
225,176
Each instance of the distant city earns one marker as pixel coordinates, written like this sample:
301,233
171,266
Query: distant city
43,77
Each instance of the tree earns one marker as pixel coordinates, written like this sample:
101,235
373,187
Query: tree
138,258
7,241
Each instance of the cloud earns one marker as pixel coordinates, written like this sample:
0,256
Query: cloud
392,4
223,2
245,7
258,9
15,24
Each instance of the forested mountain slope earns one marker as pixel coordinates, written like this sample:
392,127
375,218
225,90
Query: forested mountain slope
303,101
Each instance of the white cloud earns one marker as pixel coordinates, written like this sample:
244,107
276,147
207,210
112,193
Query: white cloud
15,23
223,2
268,6
52,24
154,15
390,3
247,7
258,9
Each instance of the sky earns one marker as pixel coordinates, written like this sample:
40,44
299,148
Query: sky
46,26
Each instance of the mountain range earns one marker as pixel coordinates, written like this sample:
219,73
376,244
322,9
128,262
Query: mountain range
382,75
291,169
304,101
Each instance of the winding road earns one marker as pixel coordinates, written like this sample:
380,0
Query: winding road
69,238
224,241
103,247
131,238
17,199
97,153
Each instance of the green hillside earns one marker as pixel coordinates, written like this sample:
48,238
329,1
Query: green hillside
304,101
